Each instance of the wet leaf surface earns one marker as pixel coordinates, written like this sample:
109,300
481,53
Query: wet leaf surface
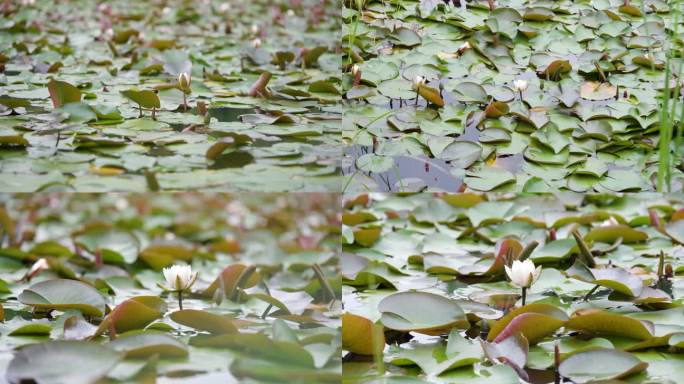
563,96
91,97
83,303
604,298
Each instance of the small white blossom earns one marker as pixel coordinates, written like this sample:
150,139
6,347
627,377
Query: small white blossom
255,29
355,69
611,221
38,266
520,85
179,277
256,43
464,46
290,13
418,81
121,204
523,274
224,7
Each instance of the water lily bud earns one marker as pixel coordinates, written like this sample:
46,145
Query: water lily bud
523,274
290,13
224,7
610,222
38,266
418,81
184,81
669,271
356,72
444,56
256,43
465,46
255,29
520,85
104,8
179,277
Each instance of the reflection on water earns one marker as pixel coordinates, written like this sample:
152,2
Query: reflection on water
407,170
412,173
229,114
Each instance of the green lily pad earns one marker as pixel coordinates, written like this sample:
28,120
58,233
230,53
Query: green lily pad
145,344
53,362
421,312
64,294
614,364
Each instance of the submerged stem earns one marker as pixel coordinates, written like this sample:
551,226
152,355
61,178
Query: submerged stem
524,295
586,297
180,300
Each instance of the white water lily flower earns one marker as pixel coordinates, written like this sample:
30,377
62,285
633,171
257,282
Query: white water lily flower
256,43
520,85
465,46
255,29
179,277
184,80
523,274
355,69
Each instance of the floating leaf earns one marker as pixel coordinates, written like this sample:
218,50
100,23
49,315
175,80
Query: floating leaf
64,294
470,92
606,323
358,336
134,313
204,321
53,362
600,364
534,321
145,344
144,98
421,312
610,234
618,279
592,90
63,93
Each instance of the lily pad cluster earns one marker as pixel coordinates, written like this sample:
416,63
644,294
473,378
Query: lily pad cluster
427,298
81,302
172,95
531,96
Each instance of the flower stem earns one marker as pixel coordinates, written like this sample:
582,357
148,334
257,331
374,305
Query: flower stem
180,300
524,295
586,297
